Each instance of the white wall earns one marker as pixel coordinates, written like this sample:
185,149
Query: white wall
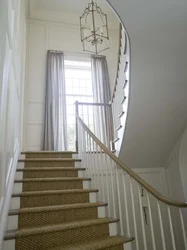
12,62
173,171
43,36
176,175
158,90
176,168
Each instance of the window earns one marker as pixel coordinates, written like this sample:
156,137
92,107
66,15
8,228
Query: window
78,81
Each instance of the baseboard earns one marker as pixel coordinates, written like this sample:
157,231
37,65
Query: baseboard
7,199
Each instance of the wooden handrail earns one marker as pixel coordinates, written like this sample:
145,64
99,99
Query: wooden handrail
143,183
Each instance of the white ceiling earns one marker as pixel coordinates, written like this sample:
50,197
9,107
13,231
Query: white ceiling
67,11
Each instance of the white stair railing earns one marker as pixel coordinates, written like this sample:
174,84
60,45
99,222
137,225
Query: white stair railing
98,118
120,96
156,222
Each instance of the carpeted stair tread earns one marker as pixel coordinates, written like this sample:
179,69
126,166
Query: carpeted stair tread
55,208
102,243
50,160
52,179
48,169
55,228
48,192
55,212
49,152
49,172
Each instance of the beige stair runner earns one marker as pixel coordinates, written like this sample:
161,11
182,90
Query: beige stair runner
55,212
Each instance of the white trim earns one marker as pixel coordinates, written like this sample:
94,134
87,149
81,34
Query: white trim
126,246
18,188
15,203
12,222
9,170
7,198
86,184
101,211
9,245
161,171
92,197
113,229
12,162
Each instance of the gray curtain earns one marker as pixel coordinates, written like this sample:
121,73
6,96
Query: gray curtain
55,124
102,94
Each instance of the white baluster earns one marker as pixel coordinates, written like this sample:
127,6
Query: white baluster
119,200
113,192
102,174
142,218
98,171
161,226
104,177
84,148
151,223
81,143
183,228
107,184
134,214
89,156
126,206
93,165
171,228
86,155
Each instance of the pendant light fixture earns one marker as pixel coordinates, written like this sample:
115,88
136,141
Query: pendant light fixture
94,29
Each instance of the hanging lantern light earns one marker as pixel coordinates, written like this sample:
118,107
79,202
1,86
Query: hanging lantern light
94,29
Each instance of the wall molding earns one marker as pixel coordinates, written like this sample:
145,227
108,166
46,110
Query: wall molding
158,170
174,153
37,21
7,199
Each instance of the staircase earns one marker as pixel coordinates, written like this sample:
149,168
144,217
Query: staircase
54,208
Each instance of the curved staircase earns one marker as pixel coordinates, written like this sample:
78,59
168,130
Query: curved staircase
53,207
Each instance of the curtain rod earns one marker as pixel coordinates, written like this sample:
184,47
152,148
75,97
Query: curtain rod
80,53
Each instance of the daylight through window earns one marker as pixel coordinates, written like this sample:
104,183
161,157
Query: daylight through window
78,81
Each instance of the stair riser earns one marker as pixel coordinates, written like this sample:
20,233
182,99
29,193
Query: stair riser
52,200
45,186
55,217
49,174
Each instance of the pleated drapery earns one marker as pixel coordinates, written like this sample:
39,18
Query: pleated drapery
102,94
55,123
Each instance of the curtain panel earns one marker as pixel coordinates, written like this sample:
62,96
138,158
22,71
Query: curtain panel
55,123
102,94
